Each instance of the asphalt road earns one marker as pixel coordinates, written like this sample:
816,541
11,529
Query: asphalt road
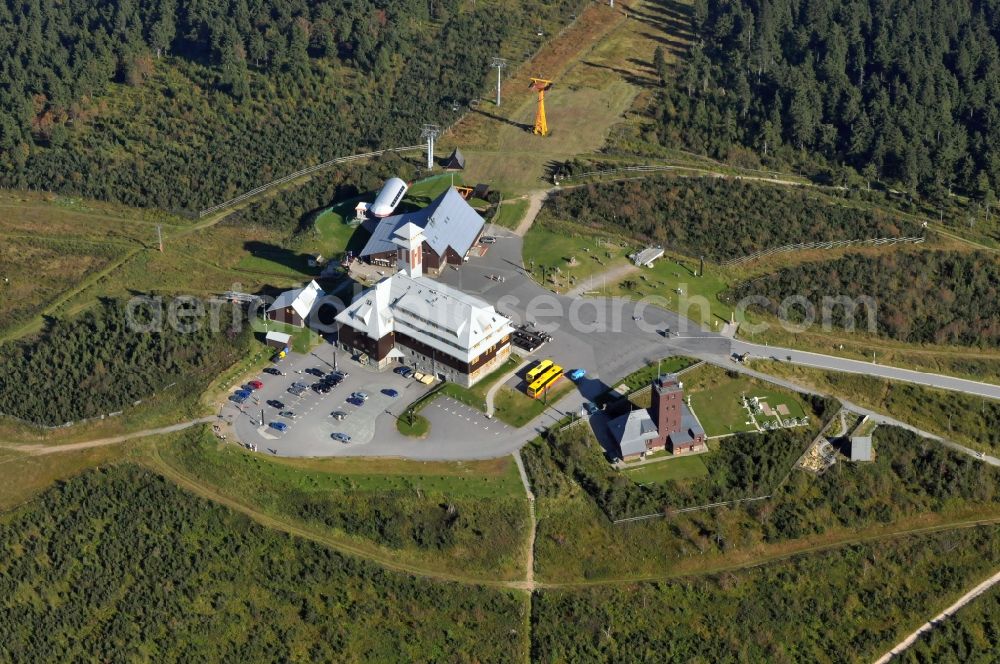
608,337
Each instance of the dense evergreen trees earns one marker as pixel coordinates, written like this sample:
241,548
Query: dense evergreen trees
717,218
849,605
98,363
905,91
181,103
119,565
910,476
924,297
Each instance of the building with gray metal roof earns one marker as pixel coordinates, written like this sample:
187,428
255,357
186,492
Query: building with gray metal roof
451,228
861,448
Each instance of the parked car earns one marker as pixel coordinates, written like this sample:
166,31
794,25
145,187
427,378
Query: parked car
342,437
296,391
341,374
408,373
244,393
272,371
488,239
390,393
400,370
299,384
360,395
274,403
338,415
255,384
577,374
354,401
279,426
237,398
287,413
319,373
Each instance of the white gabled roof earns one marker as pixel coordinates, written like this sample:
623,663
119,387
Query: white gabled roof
436,314
301,300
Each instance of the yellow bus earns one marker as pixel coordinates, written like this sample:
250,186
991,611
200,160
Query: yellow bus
538,370
545,381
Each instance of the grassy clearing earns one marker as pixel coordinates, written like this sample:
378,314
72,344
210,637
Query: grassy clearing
510,213
716,398
581,107
38,270
668,470
475,396
469,516
419,427
561,256
517,409
698,298
303,339
26,476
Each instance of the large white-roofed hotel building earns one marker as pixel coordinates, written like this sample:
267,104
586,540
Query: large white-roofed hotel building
410,319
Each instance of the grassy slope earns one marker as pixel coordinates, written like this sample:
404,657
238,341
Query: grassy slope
467,517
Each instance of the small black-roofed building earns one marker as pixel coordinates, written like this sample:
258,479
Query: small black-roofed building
455,161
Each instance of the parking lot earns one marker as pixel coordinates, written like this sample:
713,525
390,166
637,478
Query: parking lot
309,432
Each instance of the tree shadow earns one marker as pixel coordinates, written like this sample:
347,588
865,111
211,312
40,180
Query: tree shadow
498,118
283,256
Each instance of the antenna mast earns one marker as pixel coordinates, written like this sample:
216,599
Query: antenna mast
430,132
499,63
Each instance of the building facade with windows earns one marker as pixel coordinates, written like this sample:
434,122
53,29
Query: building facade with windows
408,319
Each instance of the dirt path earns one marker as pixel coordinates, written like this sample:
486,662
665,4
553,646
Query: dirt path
41,450
611,276
529,567
947,613
535,201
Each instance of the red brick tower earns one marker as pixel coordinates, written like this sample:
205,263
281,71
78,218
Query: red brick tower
668,396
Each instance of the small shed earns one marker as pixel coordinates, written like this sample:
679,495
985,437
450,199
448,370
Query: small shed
278,340
861,448
455,161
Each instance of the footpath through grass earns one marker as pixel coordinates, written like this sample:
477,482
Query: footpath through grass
463,516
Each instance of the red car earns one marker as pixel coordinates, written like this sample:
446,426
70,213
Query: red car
256,384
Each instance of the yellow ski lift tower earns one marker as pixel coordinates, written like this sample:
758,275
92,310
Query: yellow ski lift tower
541,85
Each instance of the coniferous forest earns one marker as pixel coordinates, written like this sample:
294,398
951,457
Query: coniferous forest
922,297
901,91
98,363
120,565
165,103
719,219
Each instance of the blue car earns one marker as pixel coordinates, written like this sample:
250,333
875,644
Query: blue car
390,393
237,398
577,374
243,393
279,426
